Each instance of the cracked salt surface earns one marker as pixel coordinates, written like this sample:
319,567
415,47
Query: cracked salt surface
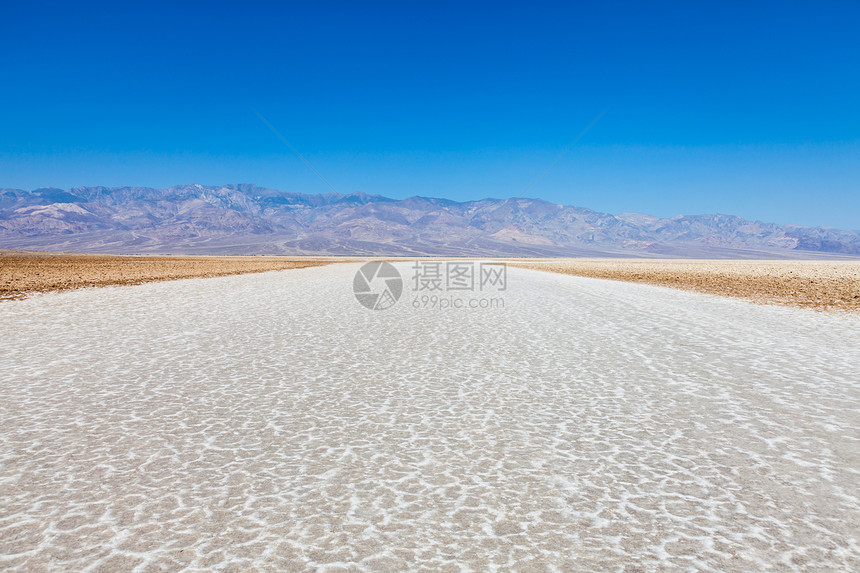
270,422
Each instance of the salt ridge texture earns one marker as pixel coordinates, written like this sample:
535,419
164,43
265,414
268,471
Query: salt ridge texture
270,422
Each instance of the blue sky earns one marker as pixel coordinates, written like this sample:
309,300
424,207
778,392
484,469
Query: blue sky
748,108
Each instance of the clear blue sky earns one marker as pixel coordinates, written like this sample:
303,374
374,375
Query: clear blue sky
749,108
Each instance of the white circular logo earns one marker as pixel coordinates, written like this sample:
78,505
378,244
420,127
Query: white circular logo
377,285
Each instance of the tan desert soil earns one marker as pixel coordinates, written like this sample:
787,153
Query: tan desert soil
828,285
24,272
821,285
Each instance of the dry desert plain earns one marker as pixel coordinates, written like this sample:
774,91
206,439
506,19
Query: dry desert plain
25,272
268,422
823,285
816,284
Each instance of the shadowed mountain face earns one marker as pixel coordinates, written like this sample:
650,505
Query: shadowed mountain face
246,219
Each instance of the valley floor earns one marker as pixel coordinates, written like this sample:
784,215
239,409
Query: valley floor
25,272
817,284
821,285
270,422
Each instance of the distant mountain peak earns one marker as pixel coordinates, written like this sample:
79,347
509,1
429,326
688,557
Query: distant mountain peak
244,218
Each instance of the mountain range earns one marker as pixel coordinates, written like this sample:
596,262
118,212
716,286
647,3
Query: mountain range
247,219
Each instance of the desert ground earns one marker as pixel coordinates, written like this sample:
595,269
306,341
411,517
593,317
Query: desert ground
819,285
269,422
24,272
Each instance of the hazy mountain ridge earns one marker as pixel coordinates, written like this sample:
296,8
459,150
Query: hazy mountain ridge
254,220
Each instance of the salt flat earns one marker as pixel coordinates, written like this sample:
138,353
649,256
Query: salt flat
270,422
